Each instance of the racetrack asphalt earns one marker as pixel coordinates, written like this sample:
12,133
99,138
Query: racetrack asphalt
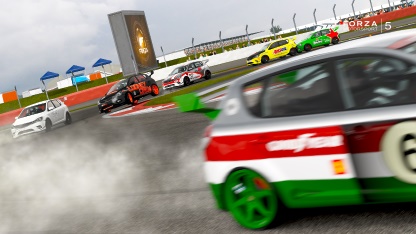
141,174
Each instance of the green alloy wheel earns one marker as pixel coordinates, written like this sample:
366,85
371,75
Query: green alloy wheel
250,199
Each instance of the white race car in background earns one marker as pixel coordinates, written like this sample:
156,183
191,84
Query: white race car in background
40,116
185,75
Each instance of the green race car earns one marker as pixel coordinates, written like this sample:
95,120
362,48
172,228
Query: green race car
323,37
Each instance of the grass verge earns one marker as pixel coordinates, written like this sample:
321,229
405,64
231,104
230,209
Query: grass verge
167,98
13,105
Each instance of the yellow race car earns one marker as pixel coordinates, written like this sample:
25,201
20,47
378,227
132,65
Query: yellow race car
272,50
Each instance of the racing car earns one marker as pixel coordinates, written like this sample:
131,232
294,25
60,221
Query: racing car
128,91
340,131
323,37
275,49
40,117
185,75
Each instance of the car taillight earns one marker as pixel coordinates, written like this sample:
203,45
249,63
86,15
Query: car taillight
207,137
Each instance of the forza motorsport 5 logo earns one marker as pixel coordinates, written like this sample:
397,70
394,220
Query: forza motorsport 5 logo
305,141
399,150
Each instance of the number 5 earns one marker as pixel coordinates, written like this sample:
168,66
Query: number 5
387,25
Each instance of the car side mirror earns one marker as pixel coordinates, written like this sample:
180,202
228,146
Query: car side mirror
16,117
50,108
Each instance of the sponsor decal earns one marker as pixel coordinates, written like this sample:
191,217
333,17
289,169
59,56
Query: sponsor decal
279,50
232,106
332,33
305,141
317,42
338,166
399,150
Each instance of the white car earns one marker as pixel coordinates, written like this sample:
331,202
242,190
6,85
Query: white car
41,116
184,75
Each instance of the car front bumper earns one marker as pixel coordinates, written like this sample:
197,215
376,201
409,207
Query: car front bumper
171,85
28,129
254,61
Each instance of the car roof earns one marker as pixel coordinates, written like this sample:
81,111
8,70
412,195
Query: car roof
374,44
37,103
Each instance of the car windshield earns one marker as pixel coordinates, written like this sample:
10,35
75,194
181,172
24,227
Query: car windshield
178,70
265,47
118,86
32,110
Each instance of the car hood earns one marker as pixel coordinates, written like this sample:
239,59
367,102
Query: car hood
109,96
171,77
27,119
255,54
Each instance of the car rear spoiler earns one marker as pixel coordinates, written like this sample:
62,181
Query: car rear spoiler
192,103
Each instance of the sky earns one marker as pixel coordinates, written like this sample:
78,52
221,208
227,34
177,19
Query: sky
52,35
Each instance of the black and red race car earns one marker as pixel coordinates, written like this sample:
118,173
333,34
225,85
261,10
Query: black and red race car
128,91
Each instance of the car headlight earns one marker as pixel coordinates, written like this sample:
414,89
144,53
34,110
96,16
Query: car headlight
39,119
118,94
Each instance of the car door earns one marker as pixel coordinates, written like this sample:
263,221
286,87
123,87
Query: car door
326,40
52,112
199,69
312,159
317,41
60,111
379,98
273,50
192,72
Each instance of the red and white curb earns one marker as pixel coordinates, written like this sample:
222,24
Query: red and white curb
142,109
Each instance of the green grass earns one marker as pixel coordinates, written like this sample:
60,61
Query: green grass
167,98
13,105
212,92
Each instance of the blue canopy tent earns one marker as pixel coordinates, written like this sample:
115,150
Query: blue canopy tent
71,71
48,75
101,62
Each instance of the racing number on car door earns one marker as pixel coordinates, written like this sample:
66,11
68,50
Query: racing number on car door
384,151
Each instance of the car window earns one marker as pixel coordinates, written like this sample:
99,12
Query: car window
317,34
298,92
376,82
284,42
56,103
50,105
191,66
32,110
198,64
274,45
140,78
325,31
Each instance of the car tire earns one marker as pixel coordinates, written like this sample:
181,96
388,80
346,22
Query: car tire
155,90
207,75
186,81
251,200
129,98
48,125
293,52
335,40
265,59
68,119
307,47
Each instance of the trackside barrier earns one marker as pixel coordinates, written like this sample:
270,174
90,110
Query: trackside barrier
69,100
8,96
382,18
